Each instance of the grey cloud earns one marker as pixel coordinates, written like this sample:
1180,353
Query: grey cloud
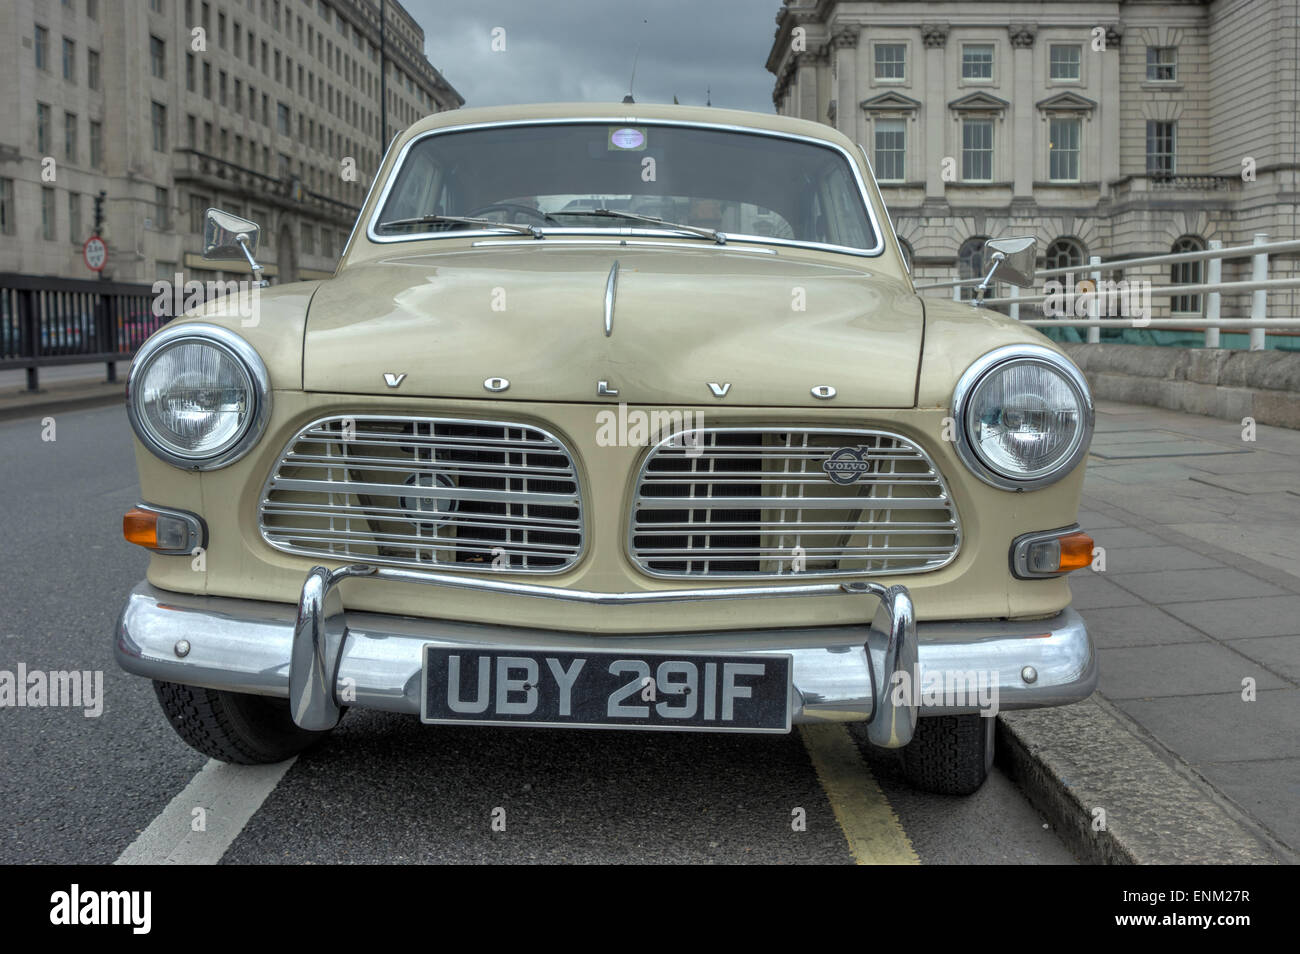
582,50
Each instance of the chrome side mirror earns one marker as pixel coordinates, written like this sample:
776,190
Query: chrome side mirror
1011,260
1014,259
228,237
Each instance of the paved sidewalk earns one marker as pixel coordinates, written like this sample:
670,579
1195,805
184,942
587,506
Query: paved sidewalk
1200,593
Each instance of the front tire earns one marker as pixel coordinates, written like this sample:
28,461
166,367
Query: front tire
233,726
951,754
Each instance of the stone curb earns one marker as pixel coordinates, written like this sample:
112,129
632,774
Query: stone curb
72,398
1076,759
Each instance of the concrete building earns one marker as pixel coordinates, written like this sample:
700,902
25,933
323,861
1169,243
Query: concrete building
267,108
1121,129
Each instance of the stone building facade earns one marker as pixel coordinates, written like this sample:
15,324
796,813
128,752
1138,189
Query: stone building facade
266,108
1122,129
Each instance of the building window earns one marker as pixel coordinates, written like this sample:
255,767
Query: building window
159,118
1065,253
308,238
1063,149
74,217
207,80
69,59
42,48
162,209
198,211
43,129
1161,147
156,6
47,214
189,72
70,137
970,262
92,69
1065,60
92,9
1162,64
282,118
221,88
96,144
157,57
977,150
7,207
891,151
1186,273
977,61
891,62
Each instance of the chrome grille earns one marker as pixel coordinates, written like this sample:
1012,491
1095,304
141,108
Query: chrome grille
755,501
427,492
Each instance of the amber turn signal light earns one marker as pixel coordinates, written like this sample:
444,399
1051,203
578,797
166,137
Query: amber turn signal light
1050,553
163,530
1076,551
140,527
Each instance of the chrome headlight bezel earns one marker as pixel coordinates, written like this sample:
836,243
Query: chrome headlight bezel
998,360
236,348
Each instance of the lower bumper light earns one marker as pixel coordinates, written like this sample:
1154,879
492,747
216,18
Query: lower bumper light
1050,553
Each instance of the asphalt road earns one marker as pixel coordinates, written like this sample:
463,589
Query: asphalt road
384,788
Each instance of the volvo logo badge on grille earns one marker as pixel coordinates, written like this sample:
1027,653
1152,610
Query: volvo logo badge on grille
847,465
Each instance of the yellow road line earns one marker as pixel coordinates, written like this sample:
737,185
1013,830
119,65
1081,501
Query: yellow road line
873,831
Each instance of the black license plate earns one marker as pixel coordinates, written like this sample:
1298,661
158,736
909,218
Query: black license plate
683,691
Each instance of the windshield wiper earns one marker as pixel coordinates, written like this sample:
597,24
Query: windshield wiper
713,234
519,227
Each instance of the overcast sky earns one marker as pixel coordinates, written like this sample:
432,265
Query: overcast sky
582,50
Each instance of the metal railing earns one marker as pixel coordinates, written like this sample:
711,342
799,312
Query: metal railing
50,321
1258,285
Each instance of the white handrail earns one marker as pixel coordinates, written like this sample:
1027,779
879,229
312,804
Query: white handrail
1258,286
1173,258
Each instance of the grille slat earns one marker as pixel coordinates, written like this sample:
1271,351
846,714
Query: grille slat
756,501
426,492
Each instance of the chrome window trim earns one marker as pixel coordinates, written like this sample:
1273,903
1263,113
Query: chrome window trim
976,373
347,246
233,345
872,252
816,574
407,566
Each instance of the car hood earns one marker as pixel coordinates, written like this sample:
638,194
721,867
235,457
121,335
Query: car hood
772,327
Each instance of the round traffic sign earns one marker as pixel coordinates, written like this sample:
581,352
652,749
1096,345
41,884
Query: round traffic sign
95,253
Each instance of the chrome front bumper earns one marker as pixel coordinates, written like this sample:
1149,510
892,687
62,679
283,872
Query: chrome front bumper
308,653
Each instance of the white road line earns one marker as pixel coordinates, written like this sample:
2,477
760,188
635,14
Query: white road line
229,796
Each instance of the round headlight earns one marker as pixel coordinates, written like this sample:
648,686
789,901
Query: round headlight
1024,417
198,396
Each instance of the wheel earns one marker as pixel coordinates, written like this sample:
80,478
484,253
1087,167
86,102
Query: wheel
233,726
950,755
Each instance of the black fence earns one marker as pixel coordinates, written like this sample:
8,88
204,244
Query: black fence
48,321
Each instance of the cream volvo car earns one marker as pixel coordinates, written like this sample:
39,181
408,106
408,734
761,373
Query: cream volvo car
617,417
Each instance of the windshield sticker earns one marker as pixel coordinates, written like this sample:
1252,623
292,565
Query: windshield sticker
627,138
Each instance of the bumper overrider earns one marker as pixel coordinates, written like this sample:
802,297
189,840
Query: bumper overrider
323,658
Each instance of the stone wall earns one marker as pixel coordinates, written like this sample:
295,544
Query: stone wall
1264,385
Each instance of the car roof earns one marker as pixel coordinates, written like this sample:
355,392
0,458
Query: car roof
630,113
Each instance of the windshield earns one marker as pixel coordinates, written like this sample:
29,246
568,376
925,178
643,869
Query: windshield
745,185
